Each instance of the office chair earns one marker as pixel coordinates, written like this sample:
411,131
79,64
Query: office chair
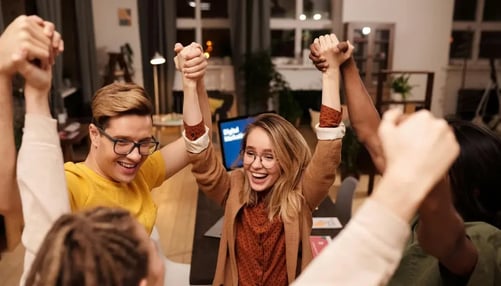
344,199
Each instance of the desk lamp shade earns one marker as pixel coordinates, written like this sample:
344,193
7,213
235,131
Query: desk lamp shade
157,59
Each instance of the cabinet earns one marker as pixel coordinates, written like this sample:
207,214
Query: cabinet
373,52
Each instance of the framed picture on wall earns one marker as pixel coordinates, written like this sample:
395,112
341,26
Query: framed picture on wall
124,17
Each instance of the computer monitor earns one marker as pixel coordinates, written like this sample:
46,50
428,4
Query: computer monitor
231,134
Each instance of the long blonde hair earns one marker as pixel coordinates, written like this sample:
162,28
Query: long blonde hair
119,99
293,155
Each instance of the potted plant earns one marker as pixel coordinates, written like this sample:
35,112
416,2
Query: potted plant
288,107
258,72
400,85
263,83
349,155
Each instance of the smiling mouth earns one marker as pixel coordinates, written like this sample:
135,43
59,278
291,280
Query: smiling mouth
127,165
259,176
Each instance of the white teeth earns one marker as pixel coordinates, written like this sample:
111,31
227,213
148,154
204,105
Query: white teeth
259,176
125,165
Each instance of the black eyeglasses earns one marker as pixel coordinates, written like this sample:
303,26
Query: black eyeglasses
125,147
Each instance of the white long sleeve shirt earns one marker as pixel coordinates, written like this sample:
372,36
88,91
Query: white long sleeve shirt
42,183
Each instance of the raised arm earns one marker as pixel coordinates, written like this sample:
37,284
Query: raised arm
211,176
24,33
40,162
364,117
10,202
441,232
320,172
330,77
193,67
192,115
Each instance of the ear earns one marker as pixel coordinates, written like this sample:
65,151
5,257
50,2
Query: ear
93,134
143,282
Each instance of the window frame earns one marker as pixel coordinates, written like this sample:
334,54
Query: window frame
198,23
298,26
335,24
476,26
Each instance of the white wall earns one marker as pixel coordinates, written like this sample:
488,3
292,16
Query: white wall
110,35
421,38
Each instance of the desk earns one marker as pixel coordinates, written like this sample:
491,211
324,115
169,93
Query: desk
205,249
67,144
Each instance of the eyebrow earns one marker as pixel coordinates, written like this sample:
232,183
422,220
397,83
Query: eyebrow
122,137
130,139
263,151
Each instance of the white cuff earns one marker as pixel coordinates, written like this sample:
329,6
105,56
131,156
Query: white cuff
198,145
330,133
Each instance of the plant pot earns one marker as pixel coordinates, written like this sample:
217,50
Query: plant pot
395,96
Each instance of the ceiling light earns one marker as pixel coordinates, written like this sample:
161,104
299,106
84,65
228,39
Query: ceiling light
366,30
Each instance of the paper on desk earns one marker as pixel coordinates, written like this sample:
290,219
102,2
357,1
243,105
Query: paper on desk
326,222
216,229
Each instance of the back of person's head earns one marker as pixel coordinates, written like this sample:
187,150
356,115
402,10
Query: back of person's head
292,154
475,175
93,247
119,99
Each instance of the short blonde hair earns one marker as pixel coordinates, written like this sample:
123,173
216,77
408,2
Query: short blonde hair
119,99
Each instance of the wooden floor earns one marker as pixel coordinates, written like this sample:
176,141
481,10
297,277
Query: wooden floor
176,199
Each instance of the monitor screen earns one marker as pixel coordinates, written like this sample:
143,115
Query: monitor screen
231,133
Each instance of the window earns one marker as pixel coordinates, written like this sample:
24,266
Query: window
206,22
476,30
294,25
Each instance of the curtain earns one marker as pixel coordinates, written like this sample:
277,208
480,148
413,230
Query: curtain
2,27
157,27
86,49
250,32
50,10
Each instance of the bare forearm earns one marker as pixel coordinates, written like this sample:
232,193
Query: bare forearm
447,241
330,89
191,108
441,233
364,117
37,102
9,194
203,100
